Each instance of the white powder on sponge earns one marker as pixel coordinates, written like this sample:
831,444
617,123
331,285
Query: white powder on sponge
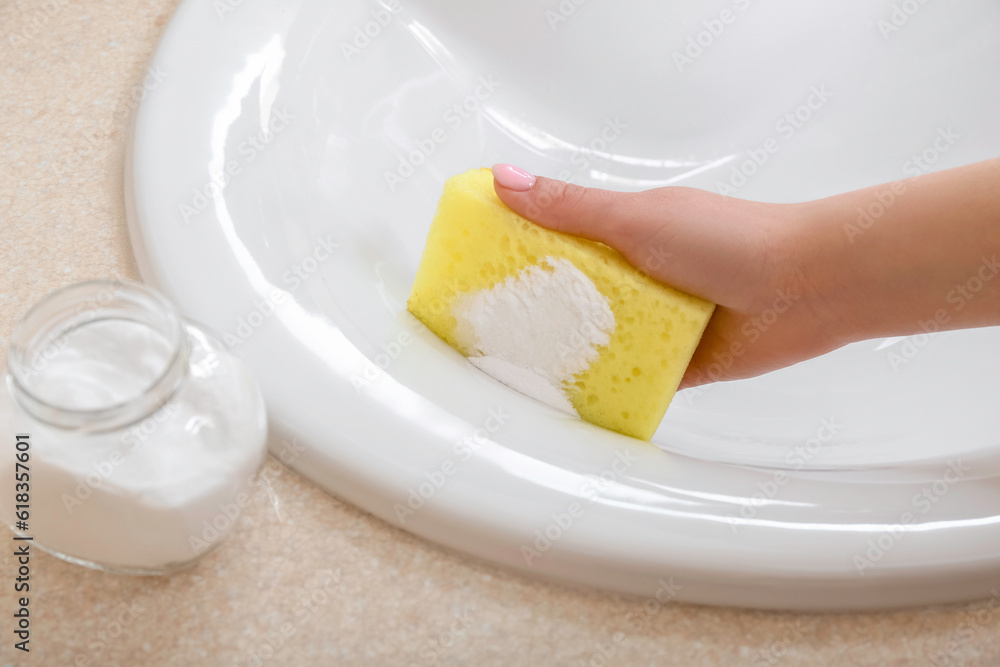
536,330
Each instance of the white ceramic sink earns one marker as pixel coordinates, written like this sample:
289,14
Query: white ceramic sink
865,478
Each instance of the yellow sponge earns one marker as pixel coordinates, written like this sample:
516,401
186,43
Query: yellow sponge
480,252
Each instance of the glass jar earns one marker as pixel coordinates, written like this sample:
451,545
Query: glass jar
127,434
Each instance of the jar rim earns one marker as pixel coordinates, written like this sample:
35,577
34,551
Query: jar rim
67,309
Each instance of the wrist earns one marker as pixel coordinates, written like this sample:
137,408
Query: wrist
822,268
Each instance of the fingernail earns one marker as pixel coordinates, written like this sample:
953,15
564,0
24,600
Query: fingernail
513,178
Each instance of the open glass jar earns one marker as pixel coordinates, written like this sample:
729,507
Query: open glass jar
126,432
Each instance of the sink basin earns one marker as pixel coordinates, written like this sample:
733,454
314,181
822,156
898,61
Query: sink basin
282,177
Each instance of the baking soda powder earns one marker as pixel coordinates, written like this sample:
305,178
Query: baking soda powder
143,496
536,330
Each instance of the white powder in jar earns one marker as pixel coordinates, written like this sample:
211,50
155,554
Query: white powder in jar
156,493
536,330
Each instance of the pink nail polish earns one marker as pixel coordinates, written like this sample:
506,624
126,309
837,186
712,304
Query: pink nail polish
513,178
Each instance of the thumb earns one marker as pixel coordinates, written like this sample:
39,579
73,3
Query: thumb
592,213
699,242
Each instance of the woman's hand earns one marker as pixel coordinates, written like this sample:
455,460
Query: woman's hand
792,281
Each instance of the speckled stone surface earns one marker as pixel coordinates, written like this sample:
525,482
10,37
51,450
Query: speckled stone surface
308,580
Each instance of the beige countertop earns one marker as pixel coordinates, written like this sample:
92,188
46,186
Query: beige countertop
307,579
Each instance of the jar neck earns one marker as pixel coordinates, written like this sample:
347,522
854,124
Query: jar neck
53,330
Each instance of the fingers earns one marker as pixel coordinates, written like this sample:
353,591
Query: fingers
595,214
699,242
658,231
